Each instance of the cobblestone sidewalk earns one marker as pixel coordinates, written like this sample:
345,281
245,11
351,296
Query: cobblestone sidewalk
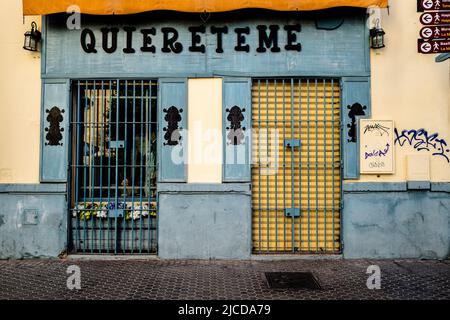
157,279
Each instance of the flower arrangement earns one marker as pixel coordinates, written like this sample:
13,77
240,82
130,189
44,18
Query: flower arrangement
86,211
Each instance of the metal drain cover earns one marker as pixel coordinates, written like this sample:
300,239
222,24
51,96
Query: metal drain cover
292,280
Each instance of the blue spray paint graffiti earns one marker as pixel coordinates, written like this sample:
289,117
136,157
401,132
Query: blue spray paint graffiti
422,140
378,153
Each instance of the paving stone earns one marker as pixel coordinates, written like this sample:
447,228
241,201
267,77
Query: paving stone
184,279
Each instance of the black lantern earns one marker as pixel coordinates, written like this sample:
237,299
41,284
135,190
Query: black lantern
377,37
32,38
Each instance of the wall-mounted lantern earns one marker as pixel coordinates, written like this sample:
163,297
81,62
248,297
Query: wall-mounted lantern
32,38
377,36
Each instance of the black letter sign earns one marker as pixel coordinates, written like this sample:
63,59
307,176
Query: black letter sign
241,39
88,47
268,40
196,39
171,44
129,31
113,46
147,40
292,38
219,31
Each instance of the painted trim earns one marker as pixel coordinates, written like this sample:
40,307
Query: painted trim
245,176
374,186
126,76
41,130
349,187
204,188
41,188
419,185
66,139
440,187
159,126
55,80
349,95
44,28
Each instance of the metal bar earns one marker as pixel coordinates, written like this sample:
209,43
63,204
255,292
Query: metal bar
109,165
148,129
78,115
102,152
125,182
300,163
259,166
276,172
317,172
140,161
284,161
332,156
92,119
84,168
292,168
113,122
325,168
308,175
133,146
268,169
116,195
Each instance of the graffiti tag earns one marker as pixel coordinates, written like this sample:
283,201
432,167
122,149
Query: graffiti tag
378,153
421,140
380,129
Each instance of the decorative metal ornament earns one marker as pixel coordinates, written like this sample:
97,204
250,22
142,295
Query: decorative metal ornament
172,117
54,130
355,110
236,132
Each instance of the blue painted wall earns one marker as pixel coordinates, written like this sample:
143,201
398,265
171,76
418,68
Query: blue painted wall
343,51
204,221
389,221
33,221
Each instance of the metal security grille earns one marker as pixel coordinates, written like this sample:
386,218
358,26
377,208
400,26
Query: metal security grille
113,205
296,172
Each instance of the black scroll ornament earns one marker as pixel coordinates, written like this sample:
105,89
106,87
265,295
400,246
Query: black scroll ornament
172,117
54,130
355,110
236,132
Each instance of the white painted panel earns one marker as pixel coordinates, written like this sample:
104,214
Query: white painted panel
418,167
377,146
205,130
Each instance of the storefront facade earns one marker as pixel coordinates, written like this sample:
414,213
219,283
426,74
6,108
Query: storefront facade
219,136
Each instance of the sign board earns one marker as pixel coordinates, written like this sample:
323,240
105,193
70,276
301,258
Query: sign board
435,18
434,46
438,32
433,5
376,146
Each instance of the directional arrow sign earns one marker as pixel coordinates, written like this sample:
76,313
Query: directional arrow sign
434,5
439,32
434,46
435,18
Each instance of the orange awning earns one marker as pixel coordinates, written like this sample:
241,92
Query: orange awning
107,7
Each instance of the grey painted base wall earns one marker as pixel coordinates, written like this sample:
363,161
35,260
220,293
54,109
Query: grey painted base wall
383,221
392,221
204,221
33,221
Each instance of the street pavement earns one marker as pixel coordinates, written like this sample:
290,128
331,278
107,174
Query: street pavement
217,280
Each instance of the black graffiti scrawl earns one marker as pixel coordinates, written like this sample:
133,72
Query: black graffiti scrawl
54,130
172,117
236,131
355,110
